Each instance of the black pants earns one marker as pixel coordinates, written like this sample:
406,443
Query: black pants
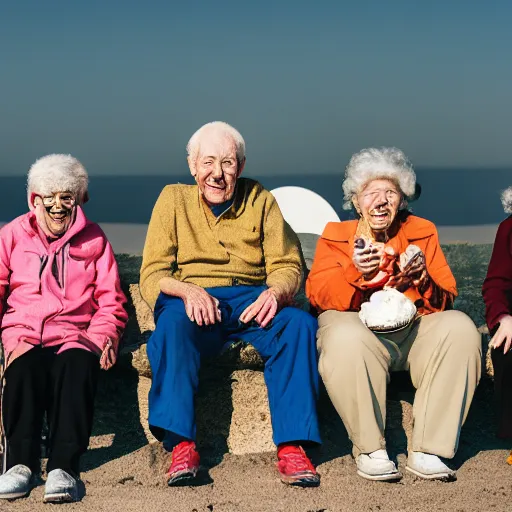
502,364
64,386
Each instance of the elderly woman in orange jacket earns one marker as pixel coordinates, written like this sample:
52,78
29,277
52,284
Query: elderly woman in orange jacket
384,292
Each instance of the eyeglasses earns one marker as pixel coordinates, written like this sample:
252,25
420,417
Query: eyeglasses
65,199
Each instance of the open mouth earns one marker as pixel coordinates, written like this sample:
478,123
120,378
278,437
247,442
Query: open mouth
58,217
380,216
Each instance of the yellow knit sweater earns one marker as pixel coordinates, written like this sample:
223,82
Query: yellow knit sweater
250,243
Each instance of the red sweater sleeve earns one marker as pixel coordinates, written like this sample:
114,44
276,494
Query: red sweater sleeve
497,287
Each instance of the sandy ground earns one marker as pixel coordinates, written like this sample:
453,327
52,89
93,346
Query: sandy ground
125,472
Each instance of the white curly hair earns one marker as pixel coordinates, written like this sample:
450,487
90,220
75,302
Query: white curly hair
378,163
57,173
506,200
222,128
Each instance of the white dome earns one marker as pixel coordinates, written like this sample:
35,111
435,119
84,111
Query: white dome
304,210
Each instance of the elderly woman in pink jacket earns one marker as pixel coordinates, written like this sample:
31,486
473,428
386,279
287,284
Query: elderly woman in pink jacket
62,315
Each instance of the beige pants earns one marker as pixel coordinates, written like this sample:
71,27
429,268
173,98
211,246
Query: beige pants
442,351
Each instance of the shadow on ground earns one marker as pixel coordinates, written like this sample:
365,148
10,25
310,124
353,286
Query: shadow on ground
117,430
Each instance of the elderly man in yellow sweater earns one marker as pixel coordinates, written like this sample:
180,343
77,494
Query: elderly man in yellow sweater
220,264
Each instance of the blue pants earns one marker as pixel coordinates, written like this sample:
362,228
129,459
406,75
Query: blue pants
287,345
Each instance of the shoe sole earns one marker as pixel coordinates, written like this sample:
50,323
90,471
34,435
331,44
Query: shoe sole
301,483
444,477
13,495
387,477
310,481
61,497
184,478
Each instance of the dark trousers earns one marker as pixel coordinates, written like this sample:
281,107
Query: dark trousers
502,364
64,386
287,345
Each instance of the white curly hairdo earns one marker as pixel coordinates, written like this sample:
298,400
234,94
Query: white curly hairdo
378,163
506,200
222,128
57,173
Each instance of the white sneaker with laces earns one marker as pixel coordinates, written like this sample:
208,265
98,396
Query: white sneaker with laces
15,483
428,466
377,466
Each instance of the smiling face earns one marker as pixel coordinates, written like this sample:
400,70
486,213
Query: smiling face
378,203
215,167
58,211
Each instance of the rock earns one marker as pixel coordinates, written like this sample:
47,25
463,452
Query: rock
239,355
140,361
232,403
142,310
487,370
251,429
247,423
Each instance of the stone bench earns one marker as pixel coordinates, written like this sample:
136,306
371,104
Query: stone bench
249,429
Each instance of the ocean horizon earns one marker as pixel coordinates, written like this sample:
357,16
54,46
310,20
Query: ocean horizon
450,197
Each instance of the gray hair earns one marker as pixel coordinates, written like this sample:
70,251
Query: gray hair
222,128
506,200
372,164
57,173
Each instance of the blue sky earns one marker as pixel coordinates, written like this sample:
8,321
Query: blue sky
122,85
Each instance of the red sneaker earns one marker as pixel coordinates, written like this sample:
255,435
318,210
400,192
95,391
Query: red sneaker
295,468
184,463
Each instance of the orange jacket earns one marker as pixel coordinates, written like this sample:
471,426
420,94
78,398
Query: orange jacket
334,282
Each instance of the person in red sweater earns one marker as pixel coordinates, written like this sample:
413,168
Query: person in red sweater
497,294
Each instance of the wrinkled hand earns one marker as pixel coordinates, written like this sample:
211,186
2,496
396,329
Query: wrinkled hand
109,355
263,309
200,306
413,273
367,258
503,335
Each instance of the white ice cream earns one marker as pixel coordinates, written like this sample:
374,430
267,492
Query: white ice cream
386,310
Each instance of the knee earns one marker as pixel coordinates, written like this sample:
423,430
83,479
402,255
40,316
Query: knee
463,334
173,329
342,347
298,318
172,317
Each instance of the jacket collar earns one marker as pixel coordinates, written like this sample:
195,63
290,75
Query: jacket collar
29,224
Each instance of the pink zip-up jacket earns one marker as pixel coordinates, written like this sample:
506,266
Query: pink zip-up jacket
64,294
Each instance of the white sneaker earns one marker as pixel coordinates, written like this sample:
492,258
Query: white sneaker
15,483
377,466
60,487
429,466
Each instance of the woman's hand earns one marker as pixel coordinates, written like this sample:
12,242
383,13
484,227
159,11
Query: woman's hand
503,336
413,273
367,257
108,357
